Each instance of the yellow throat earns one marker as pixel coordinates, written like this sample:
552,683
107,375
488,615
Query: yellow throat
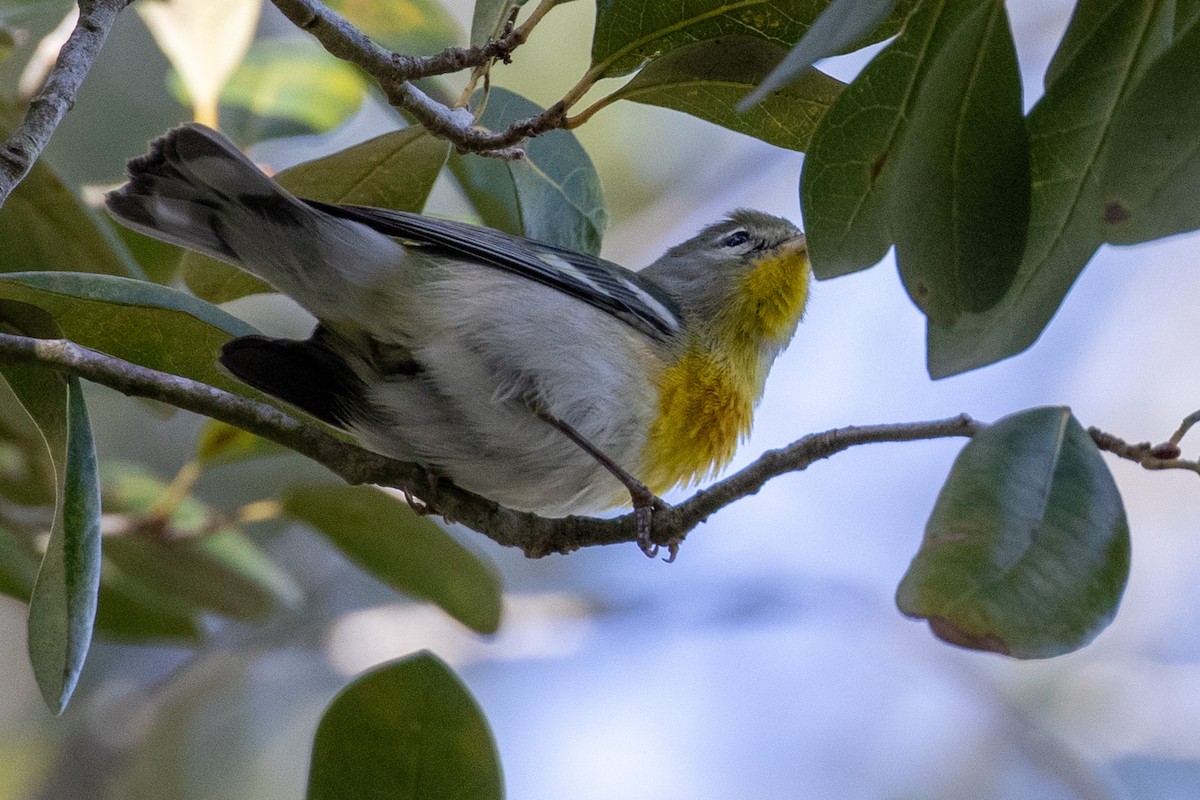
706,399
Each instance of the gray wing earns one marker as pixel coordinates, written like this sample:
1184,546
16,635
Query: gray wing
609,287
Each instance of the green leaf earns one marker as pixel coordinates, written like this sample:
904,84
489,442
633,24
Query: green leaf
489,19
220,443
962,171
849,187
141,322
286,87
26,472
62,606
1149,170
1027,550
1186,13
408,552
629,32
396,170
44,226
19,562
1067,132
128,612
413,27
408,730
193,555
709,79
552,195
842,24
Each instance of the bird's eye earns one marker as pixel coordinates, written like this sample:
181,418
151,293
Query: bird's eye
736,238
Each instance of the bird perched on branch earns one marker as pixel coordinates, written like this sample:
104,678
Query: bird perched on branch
542,378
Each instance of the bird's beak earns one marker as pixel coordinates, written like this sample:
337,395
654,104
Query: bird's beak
794,246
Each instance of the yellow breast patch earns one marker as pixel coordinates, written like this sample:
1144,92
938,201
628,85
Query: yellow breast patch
705,407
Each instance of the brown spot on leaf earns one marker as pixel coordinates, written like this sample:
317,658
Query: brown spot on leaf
948,631
1115,213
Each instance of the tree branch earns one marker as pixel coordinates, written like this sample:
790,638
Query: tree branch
57,96
536,536
395,73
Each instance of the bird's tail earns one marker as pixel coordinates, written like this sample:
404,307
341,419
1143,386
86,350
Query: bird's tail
196,189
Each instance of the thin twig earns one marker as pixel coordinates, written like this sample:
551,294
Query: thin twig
57,95
395,73
1163,456
536,536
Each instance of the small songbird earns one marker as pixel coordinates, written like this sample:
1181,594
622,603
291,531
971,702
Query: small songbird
537,376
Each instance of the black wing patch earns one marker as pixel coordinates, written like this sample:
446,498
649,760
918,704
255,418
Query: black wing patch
603,284
307,374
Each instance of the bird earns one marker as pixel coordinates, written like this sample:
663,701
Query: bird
545,379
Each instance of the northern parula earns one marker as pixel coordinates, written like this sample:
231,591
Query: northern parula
457,347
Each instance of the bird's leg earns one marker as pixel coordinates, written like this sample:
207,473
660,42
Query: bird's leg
645,502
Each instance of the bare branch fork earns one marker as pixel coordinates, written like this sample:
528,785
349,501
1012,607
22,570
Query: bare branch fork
393,71
535,536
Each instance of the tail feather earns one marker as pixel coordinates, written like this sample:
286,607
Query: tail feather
181,189
195,189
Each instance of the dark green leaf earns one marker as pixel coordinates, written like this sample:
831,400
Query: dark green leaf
553,195
396,170
849,186
708,79
145,323
962,171
192,555
1067,131
1027,550
62,606
1186,13
1149,170
406,731
842,24
628,32
26,472
414,27
408,552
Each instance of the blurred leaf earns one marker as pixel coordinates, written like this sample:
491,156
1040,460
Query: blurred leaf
7,42
26,472
1149,168
412,27
408,552
158,260
628,32
552,195
193,555
962,171
127,612
220,443
408,730
396,170
842,24
141,322
848,186
1027,550
285,87
1186,13
44,226
19,562
1067,131
709,79
204,40
62,605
